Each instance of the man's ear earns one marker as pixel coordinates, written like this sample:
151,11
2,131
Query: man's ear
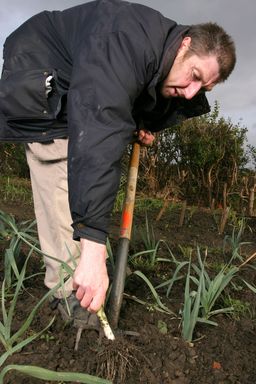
185,44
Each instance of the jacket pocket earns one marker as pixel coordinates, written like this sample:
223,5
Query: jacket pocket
24,95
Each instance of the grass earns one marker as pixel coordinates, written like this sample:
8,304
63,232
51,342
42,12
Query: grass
190,213
186,251
144,204
15,189
240,308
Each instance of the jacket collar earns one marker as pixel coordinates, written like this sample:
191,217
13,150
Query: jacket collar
170,50
198,105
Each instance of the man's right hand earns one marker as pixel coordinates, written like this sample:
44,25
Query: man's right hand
90,277
145,137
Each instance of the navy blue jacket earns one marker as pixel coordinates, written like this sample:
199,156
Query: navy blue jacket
107,59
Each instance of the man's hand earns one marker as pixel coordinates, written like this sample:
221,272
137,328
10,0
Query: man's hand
91,277
145,137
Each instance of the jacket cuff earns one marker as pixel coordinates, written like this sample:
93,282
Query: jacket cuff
89,233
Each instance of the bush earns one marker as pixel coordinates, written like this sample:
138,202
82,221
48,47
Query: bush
195,159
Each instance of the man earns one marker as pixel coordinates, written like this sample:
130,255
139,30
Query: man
92,74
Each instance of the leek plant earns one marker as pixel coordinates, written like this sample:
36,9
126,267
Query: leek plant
14,342
211,289
148,235
27,238
200,302
190,313
250,286
46,375
151,258
154,293
176,275
14,233
234,240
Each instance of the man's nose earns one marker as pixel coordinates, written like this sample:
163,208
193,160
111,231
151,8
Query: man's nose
192,89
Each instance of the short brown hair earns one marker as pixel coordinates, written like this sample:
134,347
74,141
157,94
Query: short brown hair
211,39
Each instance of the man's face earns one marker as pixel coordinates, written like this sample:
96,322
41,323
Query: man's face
190,74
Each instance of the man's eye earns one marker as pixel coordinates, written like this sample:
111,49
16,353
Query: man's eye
195,76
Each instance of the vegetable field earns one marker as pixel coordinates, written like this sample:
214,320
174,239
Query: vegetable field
188,314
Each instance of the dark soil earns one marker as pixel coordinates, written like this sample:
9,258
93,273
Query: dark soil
218,355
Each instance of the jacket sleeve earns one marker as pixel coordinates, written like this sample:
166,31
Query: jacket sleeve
105,82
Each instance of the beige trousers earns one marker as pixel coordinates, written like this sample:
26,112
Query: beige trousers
48,172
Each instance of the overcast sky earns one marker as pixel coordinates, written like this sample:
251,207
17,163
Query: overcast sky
237,96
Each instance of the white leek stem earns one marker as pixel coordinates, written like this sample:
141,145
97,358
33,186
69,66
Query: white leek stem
105,324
